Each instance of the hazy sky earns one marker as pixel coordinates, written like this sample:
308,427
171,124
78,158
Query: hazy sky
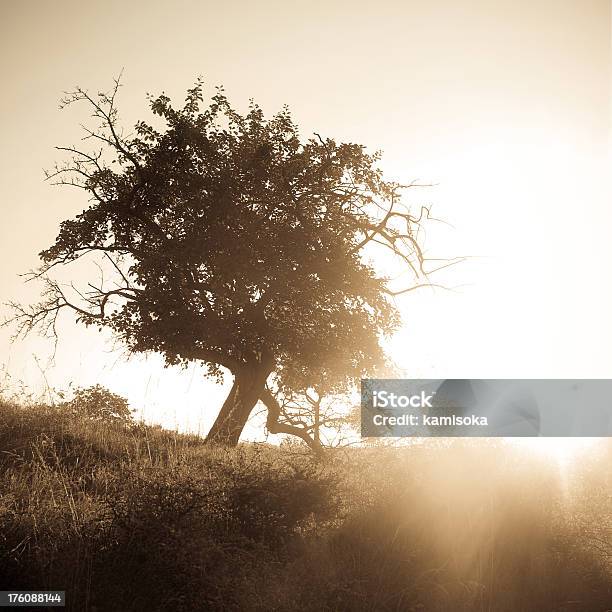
505,105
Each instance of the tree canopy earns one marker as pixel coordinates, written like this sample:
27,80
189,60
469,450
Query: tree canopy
233,241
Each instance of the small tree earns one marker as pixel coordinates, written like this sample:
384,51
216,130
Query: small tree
319,420
98,404
231,241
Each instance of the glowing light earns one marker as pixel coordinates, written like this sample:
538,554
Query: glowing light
561,450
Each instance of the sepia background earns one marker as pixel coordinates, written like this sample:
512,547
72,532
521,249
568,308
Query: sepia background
503,106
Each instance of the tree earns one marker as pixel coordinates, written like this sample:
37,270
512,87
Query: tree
233,242
319,420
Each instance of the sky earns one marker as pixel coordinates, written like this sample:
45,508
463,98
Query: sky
504,107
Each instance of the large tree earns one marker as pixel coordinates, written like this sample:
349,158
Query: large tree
233,242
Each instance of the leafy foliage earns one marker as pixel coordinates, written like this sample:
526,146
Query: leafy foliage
240,239
99,404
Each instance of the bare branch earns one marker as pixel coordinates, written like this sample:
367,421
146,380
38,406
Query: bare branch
274,426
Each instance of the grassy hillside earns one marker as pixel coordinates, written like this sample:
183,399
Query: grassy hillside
129,518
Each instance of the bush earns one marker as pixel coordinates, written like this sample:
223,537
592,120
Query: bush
98,404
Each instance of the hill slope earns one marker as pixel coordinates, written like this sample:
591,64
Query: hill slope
137,518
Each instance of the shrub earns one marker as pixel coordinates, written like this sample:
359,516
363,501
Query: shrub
98,404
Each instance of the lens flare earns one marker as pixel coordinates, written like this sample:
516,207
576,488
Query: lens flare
561,450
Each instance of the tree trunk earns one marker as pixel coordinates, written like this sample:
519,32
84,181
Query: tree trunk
249,384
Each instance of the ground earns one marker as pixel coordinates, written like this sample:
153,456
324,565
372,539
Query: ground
130,518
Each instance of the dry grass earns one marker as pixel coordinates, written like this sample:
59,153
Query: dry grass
137,518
